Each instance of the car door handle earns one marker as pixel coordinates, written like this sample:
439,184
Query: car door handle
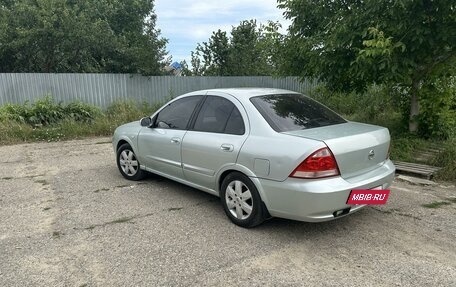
227,147
175,140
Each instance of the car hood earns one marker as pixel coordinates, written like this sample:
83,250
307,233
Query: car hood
130,126
129,130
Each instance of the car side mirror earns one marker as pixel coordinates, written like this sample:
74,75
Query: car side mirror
146,122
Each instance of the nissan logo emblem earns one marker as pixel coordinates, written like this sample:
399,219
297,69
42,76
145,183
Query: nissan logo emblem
371,154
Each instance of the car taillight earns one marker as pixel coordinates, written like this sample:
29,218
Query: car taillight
317,165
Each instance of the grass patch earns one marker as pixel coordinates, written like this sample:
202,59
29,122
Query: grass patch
451,199
48,121
436,204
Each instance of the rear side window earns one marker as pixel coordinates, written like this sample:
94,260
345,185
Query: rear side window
177,114
235,123
219,115
290,112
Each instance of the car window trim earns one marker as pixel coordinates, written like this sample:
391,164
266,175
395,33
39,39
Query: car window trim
194,116
242,119
229,116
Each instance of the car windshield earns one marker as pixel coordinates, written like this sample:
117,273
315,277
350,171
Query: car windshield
289,112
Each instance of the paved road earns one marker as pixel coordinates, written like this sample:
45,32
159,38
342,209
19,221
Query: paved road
69,219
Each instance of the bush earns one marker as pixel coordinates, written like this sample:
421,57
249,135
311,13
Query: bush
376,106
124,109
345,104
372,104
130,111
46,112
81,112
14,112
406,146
46,120
437,118
447,160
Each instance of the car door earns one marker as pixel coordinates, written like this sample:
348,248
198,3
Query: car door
214,139
160,144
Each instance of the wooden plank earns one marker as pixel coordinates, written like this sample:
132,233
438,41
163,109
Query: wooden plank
416,165
414,169
414,174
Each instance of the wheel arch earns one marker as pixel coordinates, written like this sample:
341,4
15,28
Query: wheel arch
125,140
247,172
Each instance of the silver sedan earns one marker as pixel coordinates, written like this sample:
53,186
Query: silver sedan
264,152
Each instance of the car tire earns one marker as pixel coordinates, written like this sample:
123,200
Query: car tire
128,163
241,200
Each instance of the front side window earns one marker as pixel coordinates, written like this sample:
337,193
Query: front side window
219,115
289,112
177,114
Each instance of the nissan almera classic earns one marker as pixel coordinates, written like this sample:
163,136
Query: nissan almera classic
264,152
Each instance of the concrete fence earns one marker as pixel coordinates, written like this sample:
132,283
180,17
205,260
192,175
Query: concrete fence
103,89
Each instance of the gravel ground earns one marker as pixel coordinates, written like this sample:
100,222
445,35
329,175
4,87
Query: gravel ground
69,219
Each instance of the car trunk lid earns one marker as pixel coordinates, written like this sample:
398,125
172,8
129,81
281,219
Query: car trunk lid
357,147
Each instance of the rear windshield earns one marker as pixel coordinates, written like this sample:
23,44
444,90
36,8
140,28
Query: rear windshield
289,112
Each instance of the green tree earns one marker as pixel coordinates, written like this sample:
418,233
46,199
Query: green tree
249,51
270,45
352,44
245,57
214,55
197,64
111,36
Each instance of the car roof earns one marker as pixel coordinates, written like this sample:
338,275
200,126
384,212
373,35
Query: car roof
243,95
251,92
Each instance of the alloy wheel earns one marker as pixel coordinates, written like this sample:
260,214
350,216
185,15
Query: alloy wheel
239,200
128,162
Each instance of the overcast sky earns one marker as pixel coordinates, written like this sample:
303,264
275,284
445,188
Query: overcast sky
188,22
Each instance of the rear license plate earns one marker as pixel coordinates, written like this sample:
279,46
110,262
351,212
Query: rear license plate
375,196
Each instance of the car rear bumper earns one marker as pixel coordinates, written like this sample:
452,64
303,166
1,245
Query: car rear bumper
318,200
